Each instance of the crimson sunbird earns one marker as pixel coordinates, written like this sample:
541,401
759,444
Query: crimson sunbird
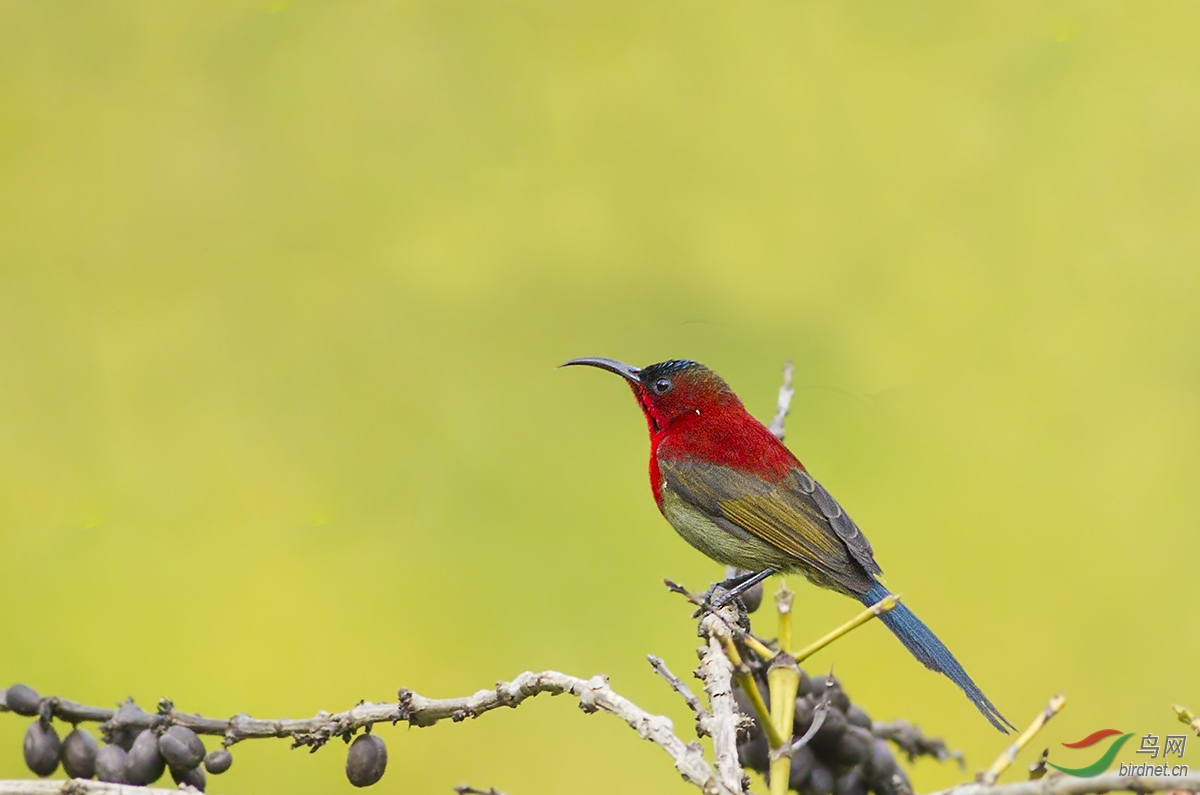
734,492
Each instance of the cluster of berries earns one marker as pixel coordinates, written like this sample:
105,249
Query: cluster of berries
141,756
843,757
129,756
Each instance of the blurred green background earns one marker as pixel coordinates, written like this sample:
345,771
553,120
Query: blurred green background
284,288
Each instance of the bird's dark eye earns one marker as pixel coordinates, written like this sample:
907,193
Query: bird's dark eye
662,386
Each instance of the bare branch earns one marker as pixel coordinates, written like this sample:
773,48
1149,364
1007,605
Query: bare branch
1010,754
593,694
1040,768
693,701
78,786
716,670
783,682
1070,785
914,743
757,645
786,391
1186,716
464,789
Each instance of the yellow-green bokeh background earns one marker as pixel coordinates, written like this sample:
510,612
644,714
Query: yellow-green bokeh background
282,290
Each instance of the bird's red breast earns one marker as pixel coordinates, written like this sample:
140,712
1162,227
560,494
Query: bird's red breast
722,433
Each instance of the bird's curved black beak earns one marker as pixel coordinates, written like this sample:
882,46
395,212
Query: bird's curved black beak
626,371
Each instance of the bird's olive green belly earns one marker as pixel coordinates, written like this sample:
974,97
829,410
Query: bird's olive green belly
725,543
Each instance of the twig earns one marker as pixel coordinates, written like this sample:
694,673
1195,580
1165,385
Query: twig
783,606
593,694
1039,768
911,741
784,406
716,671
675,587
765,652
78,786
312,732
879,608
759,647
1186,716
1070,785
783,682
1010,754
693,701
61,707
465,789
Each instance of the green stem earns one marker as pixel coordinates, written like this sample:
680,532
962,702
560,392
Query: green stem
879,608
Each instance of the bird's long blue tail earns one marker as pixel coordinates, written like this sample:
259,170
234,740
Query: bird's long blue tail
925,646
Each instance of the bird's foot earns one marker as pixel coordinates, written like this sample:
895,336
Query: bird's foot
744,589
747,587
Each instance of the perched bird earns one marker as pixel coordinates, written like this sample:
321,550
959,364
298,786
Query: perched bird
734,492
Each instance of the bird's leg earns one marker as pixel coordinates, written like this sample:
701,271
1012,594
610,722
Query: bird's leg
734,579
740,585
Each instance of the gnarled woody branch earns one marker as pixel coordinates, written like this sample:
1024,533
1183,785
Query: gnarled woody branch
76,786
594,694
913,742
690,698
1070,785
722,723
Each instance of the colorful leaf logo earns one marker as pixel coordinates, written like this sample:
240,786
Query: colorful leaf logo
1101,764
1092,738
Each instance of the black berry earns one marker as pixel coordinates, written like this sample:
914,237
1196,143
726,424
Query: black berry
192,778
23,700
366,761
182,749
78,754
110,764
41,748
218,761
144,764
